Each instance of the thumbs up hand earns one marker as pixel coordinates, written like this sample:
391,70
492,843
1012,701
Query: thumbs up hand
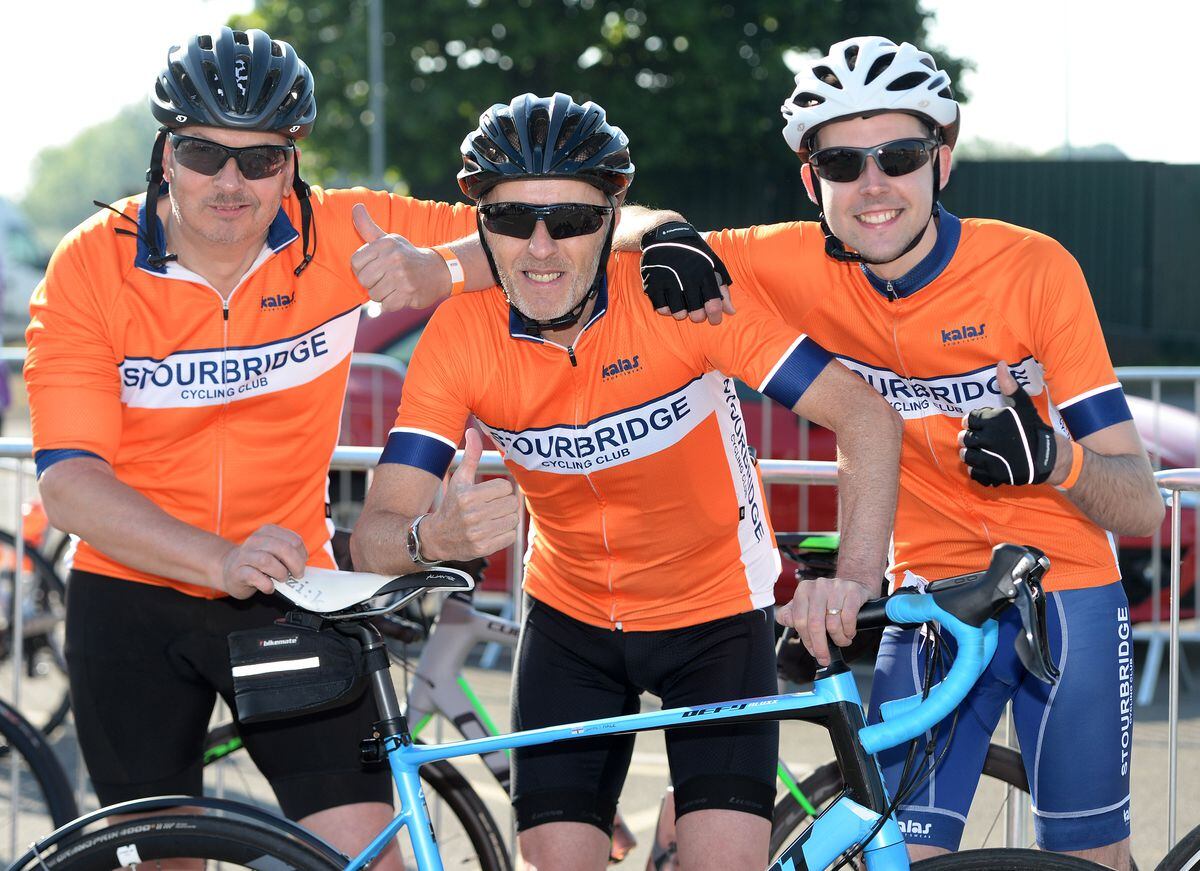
474,519
396,273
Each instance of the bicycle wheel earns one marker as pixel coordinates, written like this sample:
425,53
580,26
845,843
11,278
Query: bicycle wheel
42,799
1006,860
467,834
234,843
1003,764
41,650
1184,856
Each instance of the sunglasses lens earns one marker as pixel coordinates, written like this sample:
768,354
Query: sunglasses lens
206,158
563,221
256,163
838,164
568,221
509,219
902,157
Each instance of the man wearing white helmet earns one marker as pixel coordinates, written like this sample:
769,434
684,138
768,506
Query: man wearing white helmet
984,337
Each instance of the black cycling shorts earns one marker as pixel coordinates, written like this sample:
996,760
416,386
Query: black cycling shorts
145,665
569,671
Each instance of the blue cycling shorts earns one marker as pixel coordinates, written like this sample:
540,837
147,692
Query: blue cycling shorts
1076,737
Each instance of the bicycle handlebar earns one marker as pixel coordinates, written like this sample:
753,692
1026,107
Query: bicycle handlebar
914,715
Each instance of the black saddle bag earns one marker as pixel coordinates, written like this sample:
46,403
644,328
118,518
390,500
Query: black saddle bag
298,665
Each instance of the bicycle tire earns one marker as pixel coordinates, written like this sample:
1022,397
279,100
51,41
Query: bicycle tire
446,783
144,840
45,800
825,784
1184,856
1006,859
50,596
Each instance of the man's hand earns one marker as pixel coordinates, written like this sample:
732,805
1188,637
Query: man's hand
1011,444
270,553
683,276
395,272
824,609
474,519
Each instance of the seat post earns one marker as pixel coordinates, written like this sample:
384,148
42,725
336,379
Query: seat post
377,664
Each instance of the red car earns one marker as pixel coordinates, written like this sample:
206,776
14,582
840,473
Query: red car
374,392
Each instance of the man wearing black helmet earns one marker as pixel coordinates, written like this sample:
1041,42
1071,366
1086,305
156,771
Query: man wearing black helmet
1038,448
188,356
652,563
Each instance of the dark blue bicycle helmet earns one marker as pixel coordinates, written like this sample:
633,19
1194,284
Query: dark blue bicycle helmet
239,80
243,80
545,137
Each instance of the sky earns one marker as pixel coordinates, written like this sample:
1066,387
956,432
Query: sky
1089,71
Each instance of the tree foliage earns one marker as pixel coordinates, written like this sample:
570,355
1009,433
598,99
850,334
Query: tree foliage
697,86
105,162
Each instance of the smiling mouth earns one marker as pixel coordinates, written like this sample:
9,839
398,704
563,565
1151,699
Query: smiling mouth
878,217
543,277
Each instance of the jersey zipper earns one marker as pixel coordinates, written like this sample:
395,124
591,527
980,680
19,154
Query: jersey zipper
221,416
891,292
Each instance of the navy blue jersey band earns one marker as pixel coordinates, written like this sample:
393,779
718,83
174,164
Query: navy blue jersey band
45,459
796,373
949,230
412,448
1093,413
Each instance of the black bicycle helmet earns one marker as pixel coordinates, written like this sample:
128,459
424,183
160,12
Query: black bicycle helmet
239,80
545,137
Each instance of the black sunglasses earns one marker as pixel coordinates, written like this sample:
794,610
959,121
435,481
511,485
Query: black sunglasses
563,220
207,157
843,163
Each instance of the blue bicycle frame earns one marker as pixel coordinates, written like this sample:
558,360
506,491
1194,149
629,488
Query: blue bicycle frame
834,702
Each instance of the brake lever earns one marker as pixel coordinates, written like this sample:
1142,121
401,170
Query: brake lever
1032,644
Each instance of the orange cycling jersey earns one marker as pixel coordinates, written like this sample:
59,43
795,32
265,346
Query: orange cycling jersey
223,413
929,343
646,509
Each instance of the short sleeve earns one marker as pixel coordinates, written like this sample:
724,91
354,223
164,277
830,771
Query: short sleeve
762,263
435,404
71,370
1069,343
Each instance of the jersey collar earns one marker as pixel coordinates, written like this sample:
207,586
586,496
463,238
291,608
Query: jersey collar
931,266
280,234
516,328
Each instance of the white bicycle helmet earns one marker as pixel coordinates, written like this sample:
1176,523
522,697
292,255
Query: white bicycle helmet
867,75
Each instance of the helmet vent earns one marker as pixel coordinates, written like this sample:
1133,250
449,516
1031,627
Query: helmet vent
509,129
946,92
590,147
908,81
807,100
205,41
567,130
488,149
276,49
880,64
241,37
265,92
851,58
928,61
213,78
539,126
826,75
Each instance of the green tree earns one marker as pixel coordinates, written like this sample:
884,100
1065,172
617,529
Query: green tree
696,85
105,162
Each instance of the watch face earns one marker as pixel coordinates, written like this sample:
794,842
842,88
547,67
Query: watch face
411,541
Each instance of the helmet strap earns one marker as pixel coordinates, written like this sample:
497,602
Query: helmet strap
155,240
306,215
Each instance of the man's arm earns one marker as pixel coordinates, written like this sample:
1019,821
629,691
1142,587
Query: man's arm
1115,488
868,437
83,496
473,519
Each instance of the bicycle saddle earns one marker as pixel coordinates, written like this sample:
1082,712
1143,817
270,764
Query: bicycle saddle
326,591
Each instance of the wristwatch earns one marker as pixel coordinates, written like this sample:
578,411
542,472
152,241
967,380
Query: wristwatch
414,544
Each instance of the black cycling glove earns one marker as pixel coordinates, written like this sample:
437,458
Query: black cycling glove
678,268
1011,444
